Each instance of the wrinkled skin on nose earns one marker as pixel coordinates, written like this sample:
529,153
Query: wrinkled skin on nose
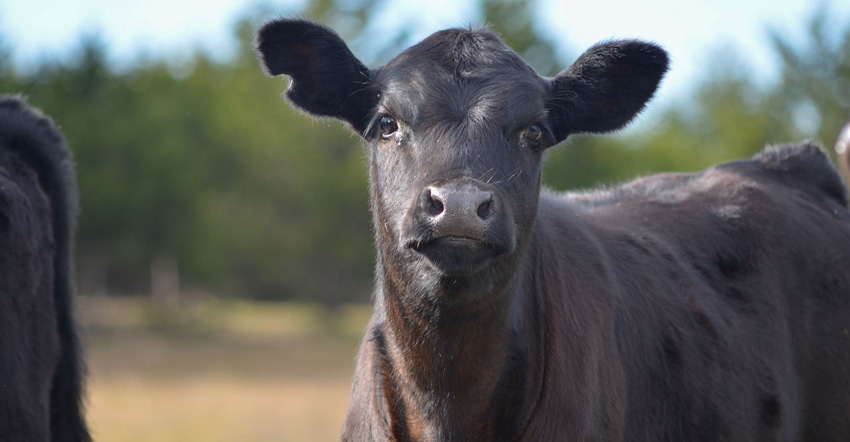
459,226
460,209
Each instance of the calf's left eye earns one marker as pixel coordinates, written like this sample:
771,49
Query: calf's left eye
388,126
533,134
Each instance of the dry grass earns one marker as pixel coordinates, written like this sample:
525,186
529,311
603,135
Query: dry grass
218,371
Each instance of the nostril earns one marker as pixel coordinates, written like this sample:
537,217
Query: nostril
435,207
485,208
434,203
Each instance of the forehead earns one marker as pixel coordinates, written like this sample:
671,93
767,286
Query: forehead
461,74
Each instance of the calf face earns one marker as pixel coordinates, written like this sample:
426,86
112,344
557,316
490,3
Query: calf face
456,127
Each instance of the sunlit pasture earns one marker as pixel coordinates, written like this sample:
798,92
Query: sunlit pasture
218,371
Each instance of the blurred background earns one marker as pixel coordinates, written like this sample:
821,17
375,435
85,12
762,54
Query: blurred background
224,252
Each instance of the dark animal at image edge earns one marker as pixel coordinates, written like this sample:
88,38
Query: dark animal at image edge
709,306
40,362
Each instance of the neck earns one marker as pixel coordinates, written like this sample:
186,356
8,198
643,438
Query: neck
448,368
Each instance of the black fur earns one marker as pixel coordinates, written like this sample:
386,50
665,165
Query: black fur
590,95
40,360
709,306
322,69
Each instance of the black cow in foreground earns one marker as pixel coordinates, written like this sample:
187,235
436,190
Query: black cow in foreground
710,306
40,366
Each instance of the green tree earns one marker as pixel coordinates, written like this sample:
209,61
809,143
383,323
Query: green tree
514,21
814,91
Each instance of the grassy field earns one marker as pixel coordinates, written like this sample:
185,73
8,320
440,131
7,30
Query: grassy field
218,371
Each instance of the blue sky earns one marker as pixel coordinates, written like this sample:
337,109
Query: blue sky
691,30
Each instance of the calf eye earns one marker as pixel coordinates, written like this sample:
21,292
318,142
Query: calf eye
533,134
388,126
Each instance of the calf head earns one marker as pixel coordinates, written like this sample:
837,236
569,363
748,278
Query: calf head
456,127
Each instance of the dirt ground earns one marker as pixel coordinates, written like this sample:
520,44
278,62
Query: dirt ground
217,371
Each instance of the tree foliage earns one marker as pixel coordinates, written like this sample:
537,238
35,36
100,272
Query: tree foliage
203,163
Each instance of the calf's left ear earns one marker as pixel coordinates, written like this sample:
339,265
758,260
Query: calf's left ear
327,79
605,88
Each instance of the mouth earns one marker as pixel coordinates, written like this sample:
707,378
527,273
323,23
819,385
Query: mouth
457,256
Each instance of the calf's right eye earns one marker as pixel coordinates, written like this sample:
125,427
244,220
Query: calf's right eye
388,126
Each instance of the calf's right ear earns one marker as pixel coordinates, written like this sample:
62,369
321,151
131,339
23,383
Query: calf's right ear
326,78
